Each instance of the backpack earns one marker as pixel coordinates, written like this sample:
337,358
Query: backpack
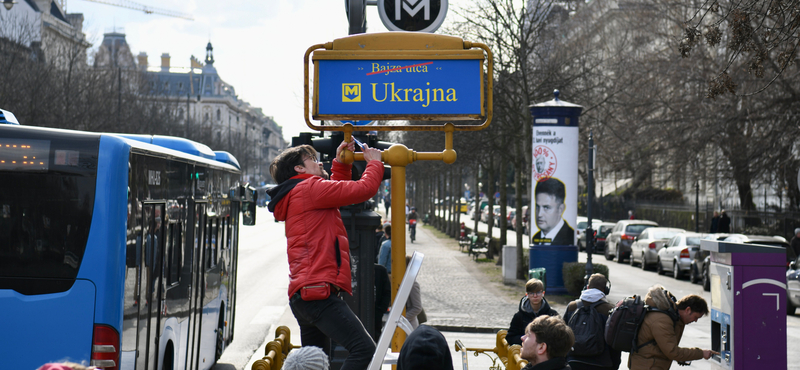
586,323
625,320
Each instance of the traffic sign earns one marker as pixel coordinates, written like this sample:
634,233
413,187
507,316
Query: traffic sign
399,76
412,15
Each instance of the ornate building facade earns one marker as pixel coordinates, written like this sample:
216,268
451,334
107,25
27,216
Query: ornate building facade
208,107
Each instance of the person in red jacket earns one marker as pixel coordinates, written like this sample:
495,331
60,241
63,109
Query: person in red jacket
318,249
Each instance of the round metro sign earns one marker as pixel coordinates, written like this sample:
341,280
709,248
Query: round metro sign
412,15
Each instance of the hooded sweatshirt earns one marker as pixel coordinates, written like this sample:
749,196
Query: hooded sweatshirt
425,349
523,317
663,331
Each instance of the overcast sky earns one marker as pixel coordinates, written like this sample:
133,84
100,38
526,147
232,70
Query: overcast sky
258,44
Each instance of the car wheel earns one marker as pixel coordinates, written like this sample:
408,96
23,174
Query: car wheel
608,256
694,277
659,267
676,271
631,261
644,263
706,279
620,258
790,308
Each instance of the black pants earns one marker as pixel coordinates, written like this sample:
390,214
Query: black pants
332,318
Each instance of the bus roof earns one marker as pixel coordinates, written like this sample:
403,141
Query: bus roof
225,157
8,118
176,143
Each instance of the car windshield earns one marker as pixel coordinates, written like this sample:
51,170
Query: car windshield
604,231
693,241
582,224
662,234
636,229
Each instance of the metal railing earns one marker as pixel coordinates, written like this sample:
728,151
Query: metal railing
502,355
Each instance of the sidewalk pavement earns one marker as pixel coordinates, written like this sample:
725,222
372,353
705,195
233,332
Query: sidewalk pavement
460,299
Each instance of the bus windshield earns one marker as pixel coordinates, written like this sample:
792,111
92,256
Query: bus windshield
45,216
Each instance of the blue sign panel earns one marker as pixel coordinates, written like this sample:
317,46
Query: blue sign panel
399,87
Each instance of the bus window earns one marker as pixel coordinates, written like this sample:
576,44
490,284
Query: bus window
174,253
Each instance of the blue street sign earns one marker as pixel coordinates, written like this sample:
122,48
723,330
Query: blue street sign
399,87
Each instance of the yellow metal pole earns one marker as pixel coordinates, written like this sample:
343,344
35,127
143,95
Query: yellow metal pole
398,241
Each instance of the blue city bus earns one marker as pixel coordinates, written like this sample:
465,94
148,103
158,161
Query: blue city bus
117,251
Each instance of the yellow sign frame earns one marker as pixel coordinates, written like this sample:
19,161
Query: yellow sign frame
400,45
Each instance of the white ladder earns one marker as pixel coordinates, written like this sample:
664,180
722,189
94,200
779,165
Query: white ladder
396,319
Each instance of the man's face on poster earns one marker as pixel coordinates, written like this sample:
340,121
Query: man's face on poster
540,164
548,212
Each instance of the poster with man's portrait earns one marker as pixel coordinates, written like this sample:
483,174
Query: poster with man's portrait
554,200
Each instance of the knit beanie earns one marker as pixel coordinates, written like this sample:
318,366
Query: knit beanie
797,231
306,358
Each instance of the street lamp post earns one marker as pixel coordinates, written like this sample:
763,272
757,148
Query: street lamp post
589,199
696,206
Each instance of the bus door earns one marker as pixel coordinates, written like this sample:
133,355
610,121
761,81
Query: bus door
198,287
151,296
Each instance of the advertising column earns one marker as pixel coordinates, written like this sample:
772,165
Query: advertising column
554,206
554,189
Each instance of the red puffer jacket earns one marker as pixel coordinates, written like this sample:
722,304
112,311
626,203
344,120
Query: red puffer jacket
317,239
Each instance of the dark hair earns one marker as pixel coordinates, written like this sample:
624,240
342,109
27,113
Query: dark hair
282,167
387,230
695,302
599,282
555,332
552,186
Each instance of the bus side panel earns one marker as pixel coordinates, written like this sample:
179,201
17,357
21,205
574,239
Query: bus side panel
50,335
104,260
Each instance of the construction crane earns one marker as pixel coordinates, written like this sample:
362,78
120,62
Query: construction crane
147,9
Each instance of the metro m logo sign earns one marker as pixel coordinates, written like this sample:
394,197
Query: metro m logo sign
412,7
412,15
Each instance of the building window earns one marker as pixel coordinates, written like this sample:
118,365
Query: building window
219,115
166,86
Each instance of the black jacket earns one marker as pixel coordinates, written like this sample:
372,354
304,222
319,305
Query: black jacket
558,363
425,349
565,236
523,317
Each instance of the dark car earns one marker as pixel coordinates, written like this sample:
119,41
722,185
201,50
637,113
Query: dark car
793,287
618,243
602,233
698,272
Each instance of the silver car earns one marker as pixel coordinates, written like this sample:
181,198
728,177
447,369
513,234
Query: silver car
677,255
646,246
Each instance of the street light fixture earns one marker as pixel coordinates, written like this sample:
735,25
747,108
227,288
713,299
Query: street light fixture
8,4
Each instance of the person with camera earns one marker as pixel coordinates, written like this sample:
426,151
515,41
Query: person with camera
318,248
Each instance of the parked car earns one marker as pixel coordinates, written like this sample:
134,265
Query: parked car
793,287
513,221
777,241
600,237
697,272
677,256
618,243
496,215
646,246
485,214
472,211
581,231
511,212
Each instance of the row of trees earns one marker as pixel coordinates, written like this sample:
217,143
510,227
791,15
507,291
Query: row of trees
58,88
661,113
